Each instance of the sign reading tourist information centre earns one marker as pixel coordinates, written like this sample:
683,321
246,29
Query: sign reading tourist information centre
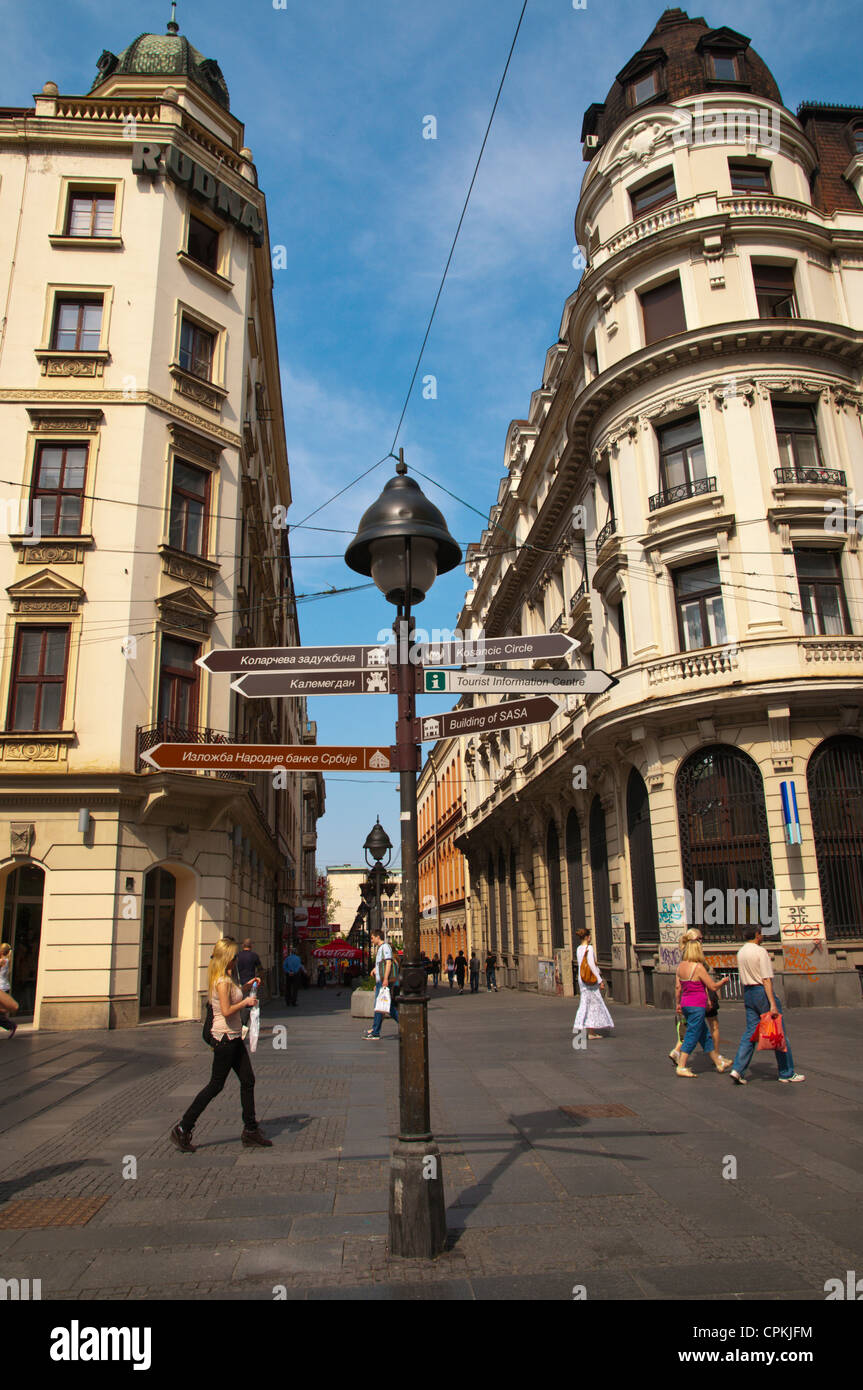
510,682
265,757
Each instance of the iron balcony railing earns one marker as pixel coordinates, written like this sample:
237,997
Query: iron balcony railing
608,530
580,592
831,477
558,623
165,731
696,487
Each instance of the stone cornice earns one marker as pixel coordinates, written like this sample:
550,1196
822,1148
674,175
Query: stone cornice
84,400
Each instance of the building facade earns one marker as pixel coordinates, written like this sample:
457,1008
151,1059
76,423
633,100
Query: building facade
685,498
144,456
444,883
348,904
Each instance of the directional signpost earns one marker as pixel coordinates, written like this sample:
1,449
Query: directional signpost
305,659
381,681
543,646
265,757
510,682
465,722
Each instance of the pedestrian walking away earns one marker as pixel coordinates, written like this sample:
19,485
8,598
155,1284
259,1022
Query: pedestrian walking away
229,1051
292,967
450,970
592,1012
460,970
435,971
691,1001
385,972
8,1005
474,972
248,968
759,997
491,972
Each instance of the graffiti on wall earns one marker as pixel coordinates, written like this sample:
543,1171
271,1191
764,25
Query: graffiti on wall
618,941
798,960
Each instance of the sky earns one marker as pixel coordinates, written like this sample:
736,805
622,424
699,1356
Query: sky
335,96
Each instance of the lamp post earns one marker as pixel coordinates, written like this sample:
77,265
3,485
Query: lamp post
403,544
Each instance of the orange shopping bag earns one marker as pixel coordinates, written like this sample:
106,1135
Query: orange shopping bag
770,1034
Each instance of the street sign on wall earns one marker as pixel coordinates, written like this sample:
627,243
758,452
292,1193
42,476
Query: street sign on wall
511,682
265,757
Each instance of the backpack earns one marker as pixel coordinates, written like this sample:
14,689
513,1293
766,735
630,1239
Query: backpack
584,971
394,970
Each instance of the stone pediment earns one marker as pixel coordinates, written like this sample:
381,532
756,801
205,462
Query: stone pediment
186,609
45,592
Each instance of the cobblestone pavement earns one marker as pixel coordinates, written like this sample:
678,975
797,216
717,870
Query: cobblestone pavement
562,1167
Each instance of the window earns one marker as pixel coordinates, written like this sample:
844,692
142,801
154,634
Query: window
189,497
178,685
749,178
58,486
774,291
724,67
643,88
681,456
77,325
662,310
203,243
700,614
38,679
197,350
90,214
796,436
621,635
857,139
822,596
653,195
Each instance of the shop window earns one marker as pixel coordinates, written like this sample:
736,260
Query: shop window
38,679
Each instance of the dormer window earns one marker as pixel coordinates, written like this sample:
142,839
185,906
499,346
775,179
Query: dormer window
857,139
644,88
724,67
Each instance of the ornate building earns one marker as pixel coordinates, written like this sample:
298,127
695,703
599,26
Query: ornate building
144,453
684,498
444,884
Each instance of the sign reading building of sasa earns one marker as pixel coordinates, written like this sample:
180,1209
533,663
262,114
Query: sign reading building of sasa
465,722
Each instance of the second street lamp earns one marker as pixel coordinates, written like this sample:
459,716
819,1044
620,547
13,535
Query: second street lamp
403,543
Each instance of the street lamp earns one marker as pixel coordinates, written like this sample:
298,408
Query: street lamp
403,543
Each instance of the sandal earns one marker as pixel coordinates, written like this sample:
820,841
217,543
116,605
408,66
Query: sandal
685,1071
674,1056
722,1064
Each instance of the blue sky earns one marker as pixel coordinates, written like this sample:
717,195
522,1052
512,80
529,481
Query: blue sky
333,95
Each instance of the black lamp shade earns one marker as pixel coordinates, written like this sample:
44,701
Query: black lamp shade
403,514
378,842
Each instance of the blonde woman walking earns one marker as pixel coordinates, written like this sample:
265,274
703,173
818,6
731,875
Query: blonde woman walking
592,1012
691,1002
229,1051
8,1005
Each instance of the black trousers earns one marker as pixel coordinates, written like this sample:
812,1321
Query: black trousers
229,1055
292,985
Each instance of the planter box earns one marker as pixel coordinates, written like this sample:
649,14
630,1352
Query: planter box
363,1003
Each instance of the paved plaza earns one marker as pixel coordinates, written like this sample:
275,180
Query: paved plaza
562,1168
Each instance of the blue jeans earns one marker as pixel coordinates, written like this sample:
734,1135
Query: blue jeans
757,1003
491,977
379,1018
697,1031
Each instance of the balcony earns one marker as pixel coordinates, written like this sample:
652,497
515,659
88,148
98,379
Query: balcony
709,661
828,477
605,534
580,593
559,623
696,487
148,736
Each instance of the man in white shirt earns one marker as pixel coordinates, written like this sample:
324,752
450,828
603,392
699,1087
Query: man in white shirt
384,975
756,977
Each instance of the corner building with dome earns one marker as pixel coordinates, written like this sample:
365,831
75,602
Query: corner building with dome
144,455
686,498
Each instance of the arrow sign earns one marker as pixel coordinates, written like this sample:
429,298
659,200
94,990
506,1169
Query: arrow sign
511,682
542,646
265,757
336,658
325,682
464,722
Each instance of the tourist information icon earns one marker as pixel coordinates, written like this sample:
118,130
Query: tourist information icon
464,722
265,757
512,682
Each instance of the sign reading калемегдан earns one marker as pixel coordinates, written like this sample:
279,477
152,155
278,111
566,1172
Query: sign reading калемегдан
182,169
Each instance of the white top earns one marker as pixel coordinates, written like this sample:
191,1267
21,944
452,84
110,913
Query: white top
4,974
385,952
587,950
754,964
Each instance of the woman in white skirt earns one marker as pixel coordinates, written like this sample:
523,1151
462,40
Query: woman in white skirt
592,1013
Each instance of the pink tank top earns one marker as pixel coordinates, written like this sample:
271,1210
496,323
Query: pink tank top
693,994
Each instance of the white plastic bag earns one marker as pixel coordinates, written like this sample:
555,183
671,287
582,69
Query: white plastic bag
383,1001
254,1028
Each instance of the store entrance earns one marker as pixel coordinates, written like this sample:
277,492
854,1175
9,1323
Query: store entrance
22,928
157,943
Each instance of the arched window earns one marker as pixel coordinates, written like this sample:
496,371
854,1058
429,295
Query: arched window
724,838
555,898
501,888
835,780
600,880
641,859
575,877
513,901
492,907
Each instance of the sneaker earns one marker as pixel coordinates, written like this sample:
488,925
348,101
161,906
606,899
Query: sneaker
738,1079
256,1139
786,1080
183,1139
372,1037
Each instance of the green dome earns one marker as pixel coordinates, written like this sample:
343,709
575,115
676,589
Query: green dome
165,55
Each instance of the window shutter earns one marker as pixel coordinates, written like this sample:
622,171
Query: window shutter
663,311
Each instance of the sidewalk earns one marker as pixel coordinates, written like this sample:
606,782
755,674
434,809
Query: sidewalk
599,1168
